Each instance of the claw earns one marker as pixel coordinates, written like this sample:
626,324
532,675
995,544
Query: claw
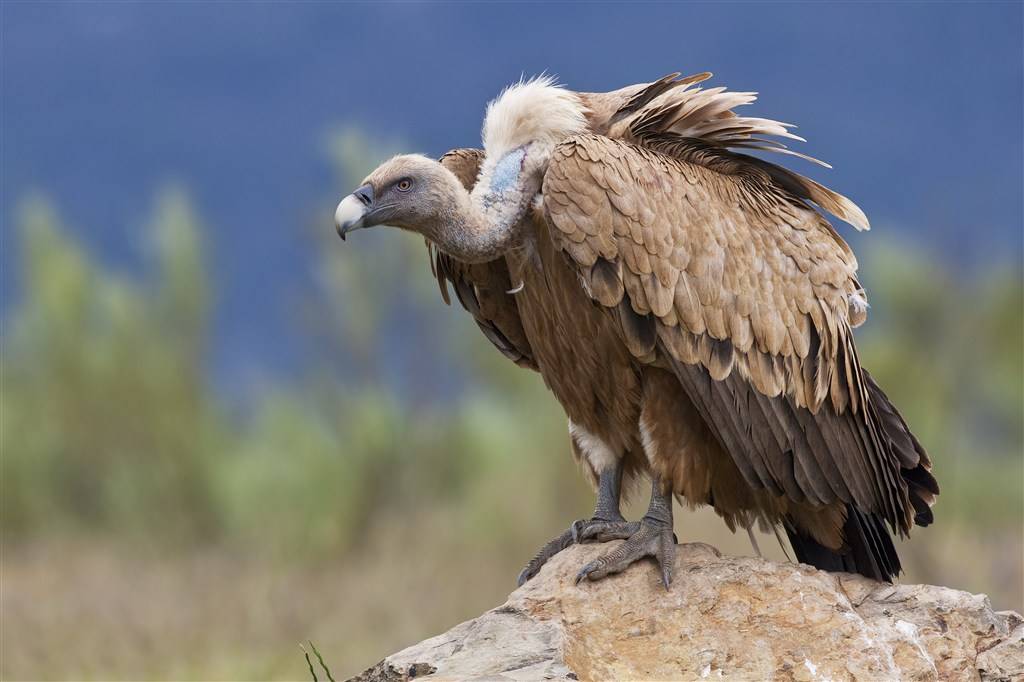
577,527
523,576
587,570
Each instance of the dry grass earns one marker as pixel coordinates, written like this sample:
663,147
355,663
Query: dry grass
90,610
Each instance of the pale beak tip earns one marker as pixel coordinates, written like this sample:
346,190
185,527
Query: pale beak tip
349,215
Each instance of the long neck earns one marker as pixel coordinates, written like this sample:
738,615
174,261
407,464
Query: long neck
486,223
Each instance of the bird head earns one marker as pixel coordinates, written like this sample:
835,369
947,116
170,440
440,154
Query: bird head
521,129
408,191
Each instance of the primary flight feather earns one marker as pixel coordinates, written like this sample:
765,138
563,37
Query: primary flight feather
687,305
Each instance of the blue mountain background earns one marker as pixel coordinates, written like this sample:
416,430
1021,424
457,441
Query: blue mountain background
917,105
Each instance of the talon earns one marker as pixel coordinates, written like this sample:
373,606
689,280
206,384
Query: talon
586,571
666,574
577,528
523,576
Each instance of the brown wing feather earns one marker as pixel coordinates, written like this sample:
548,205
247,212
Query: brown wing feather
482,288
748,294
705,120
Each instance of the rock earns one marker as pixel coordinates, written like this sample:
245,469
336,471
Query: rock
724,618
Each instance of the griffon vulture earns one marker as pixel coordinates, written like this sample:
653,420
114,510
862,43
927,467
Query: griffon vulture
687,305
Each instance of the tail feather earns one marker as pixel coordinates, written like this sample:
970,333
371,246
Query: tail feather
868,550
915,466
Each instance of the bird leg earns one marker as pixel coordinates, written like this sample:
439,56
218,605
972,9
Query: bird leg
651,536
606,511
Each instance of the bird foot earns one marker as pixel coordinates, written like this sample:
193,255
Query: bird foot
583,530
649,537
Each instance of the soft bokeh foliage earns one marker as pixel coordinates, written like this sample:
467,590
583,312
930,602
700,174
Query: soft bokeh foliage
398,485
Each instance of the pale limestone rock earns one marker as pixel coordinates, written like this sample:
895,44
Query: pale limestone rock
733,618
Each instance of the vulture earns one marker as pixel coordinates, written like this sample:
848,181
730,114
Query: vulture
689,306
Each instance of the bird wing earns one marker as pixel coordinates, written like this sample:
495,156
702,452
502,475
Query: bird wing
720,272
682,110
482,288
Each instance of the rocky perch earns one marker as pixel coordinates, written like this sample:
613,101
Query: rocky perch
725,618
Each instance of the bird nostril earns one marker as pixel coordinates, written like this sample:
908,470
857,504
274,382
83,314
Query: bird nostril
364,194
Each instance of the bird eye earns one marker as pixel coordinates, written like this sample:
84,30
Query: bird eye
404,185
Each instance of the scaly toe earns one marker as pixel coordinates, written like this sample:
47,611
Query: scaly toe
546,552
666,557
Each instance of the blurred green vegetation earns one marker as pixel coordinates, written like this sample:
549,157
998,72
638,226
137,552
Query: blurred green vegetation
114,444
111,426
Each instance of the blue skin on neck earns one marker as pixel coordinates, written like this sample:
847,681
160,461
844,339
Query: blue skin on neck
506,171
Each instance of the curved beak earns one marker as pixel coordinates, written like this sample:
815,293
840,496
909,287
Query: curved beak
351,212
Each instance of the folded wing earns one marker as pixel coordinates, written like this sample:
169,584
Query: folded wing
716,268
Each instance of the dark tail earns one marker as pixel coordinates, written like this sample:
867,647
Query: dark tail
915,467
868,551
868,548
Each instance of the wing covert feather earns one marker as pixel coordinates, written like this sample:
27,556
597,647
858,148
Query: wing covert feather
711,253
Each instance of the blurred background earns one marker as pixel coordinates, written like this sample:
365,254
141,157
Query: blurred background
225,432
